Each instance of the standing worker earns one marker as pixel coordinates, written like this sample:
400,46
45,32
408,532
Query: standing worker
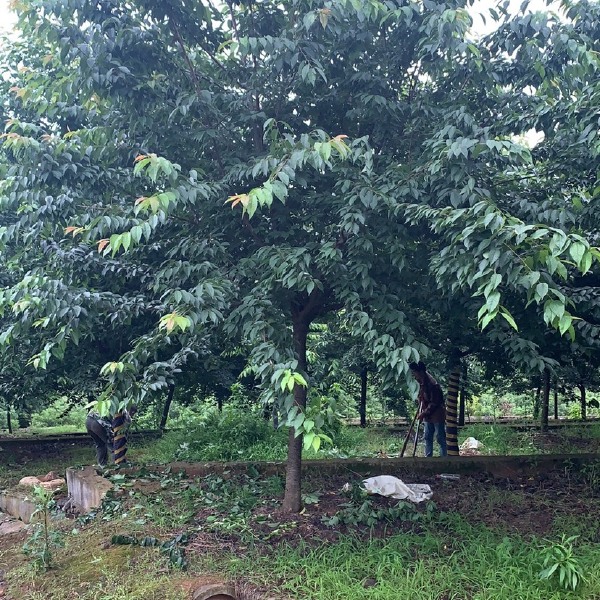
102,431
431,407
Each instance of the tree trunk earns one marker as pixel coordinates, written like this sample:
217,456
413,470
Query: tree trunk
451,411
362,403
119,427
292,500
166,408
581,387
556,398
463,397
220,403
24,419
9,419
536,400
545,401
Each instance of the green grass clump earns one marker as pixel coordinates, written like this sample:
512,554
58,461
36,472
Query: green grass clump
237,435
230,435
505,440
500,439
454,560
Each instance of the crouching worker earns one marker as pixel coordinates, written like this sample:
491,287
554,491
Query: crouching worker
431,407
109,434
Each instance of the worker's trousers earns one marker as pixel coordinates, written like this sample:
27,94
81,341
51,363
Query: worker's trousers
440,430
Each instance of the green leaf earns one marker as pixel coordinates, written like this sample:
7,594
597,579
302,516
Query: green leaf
565,323
541,289
492,301
308,440
487,320
509,318
586,262
298,422
316,443
299,379
577,251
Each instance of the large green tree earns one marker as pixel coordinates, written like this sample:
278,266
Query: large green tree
369,150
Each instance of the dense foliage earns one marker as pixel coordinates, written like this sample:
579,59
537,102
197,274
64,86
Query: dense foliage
372,158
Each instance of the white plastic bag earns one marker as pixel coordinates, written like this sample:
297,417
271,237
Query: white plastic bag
471,444
392,487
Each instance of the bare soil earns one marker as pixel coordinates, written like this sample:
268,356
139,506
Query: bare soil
527,506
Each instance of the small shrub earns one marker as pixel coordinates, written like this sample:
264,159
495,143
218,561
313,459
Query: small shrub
560,564
574,410
60,414
43,539
362,510
230,435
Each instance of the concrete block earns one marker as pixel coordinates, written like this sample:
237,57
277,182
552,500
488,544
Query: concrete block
86,488
17,504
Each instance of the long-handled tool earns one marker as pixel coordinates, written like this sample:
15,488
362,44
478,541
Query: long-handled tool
410,431
408,434
417,436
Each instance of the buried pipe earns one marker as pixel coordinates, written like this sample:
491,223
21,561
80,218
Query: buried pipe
229,591
215,591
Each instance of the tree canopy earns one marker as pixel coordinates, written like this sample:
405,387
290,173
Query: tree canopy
183,177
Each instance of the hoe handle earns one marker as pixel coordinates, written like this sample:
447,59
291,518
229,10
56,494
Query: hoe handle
408,434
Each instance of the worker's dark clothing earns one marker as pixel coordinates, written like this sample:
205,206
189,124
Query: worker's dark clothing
431,401
433,413
100,430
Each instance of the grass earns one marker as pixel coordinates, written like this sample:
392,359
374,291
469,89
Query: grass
253,439
504,440
451,560
500,439
234,436
442,558
87,570
56,430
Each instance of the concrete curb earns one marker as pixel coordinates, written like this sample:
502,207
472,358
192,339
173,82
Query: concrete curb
497,466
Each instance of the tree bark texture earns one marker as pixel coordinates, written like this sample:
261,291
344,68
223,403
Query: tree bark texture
362,403
537,400
545,401
463,396
166,408
451,411
24,419
583,400
9,420
292,500
556,398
